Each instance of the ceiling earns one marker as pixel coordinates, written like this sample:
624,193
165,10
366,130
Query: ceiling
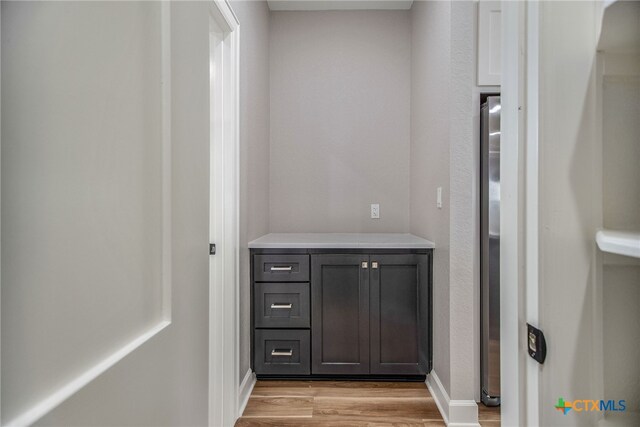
278,5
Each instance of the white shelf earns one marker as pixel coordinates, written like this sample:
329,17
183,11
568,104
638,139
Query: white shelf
619,242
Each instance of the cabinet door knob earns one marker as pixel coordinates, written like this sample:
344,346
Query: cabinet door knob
365,264
282,268
281,352
374,264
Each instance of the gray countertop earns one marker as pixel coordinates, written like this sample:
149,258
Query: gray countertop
340,241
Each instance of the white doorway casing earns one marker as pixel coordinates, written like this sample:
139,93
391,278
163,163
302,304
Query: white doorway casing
224,40
531,385
512,201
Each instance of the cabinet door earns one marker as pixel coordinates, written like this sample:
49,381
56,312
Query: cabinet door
489,42
340,314
399,314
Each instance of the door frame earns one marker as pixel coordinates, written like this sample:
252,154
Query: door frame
224,218
0,221
519,259
531,385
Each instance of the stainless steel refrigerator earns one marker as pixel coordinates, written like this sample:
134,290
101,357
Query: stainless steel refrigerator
490,250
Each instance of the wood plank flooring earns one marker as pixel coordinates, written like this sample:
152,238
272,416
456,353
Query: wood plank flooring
488,417
346,403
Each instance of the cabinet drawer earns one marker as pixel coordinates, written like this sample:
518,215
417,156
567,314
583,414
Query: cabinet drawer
282,305
281,268
284,352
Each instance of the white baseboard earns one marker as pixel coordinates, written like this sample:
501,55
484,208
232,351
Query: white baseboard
463,413
246,387
456,413
439,394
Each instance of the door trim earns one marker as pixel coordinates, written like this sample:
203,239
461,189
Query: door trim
0,223
75,384
224,225
519,259
511,366
532,292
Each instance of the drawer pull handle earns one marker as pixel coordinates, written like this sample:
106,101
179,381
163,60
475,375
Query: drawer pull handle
282,268
281,352
281,306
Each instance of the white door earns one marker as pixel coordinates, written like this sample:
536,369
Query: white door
105,214
552,123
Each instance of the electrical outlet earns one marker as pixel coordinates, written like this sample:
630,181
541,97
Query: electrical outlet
375,211
439,198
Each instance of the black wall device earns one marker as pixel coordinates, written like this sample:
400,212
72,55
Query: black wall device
536,344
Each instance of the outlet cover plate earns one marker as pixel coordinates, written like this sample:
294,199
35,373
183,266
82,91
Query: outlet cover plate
375,211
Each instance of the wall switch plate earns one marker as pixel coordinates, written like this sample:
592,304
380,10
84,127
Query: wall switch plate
375,211
439,198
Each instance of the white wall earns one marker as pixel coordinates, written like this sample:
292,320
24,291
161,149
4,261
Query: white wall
568,215
254,148
340,110
80,156
464,209
430,71
444,147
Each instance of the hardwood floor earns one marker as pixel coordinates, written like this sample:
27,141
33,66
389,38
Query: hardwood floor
488,417
346,403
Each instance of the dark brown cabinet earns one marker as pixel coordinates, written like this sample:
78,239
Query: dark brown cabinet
281,351
340,320
282,305
369,310
399,314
